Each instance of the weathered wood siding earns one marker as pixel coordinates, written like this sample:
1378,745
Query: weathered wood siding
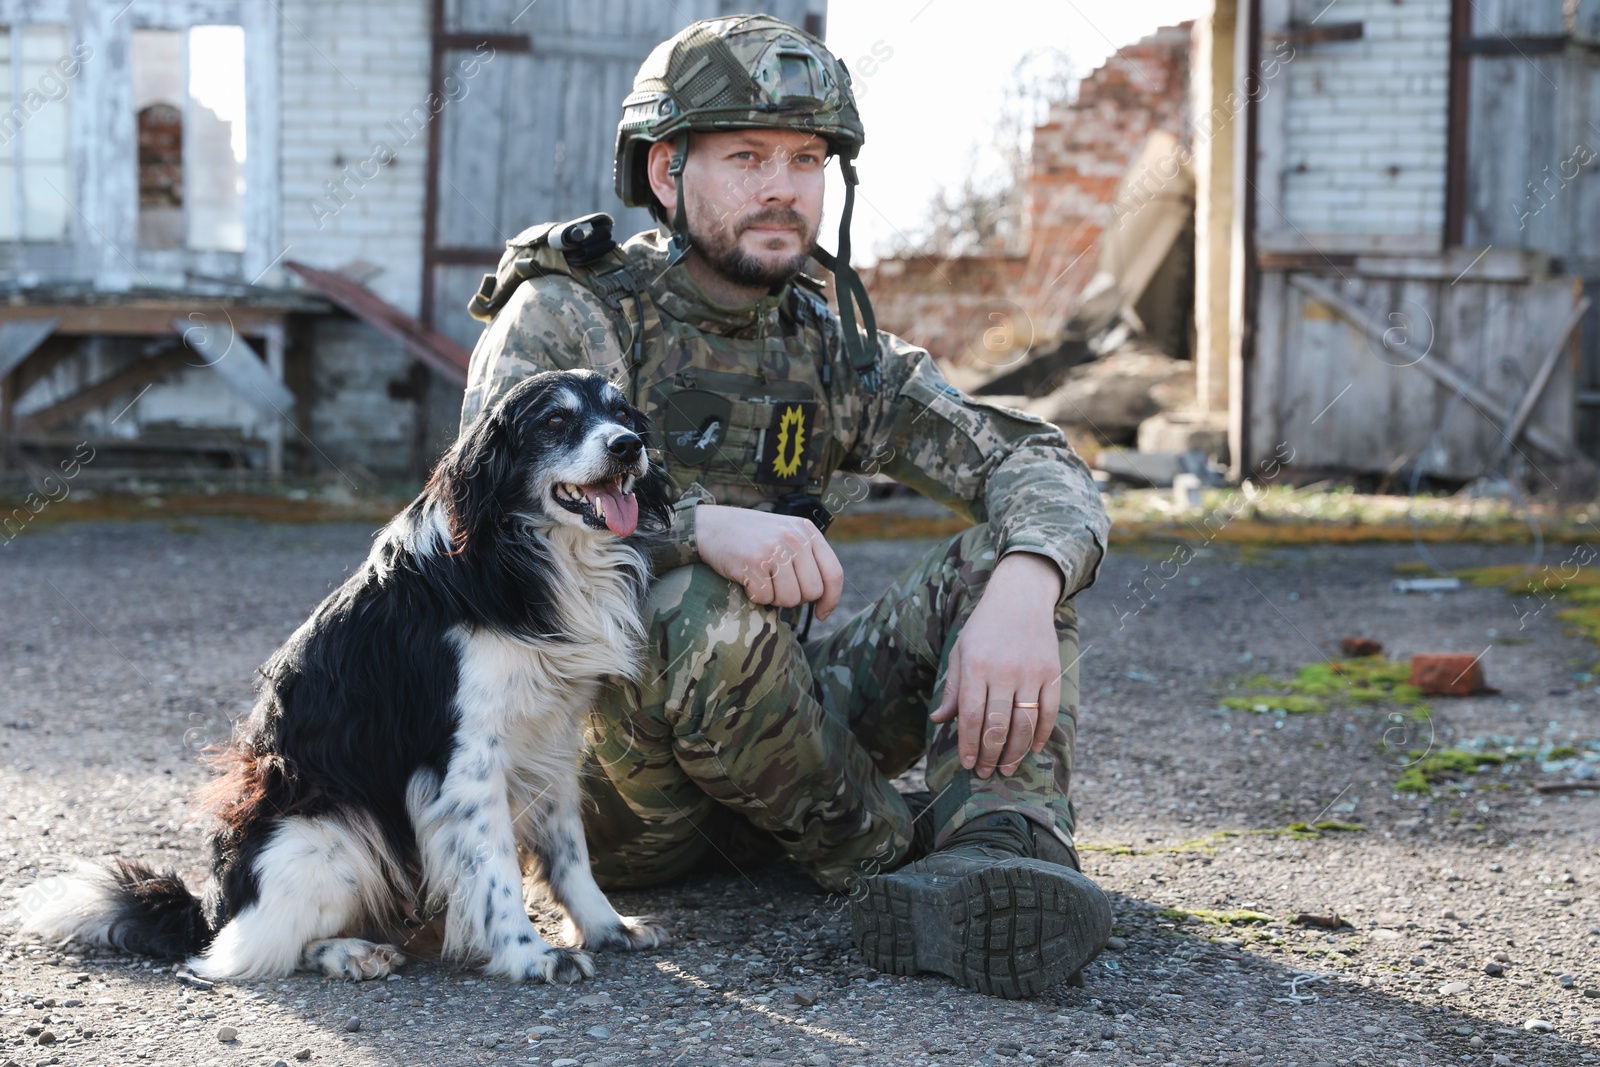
1329,393
1533,155
1342,400
1531,112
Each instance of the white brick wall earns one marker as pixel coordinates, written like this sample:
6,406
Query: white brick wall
349,70
1366,122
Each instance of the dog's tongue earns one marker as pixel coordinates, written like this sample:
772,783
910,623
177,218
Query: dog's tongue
621,509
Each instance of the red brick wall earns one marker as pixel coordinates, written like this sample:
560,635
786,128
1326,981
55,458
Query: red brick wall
979,310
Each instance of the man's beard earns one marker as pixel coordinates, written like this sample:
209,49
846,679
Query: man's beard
721,251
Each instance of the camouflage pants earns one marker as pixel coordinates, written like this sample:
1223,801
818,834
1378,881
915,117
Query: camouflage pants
738,736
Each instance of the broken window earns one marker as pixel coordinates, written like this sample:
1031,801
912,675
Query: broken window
188,98
37,66
158,100
216,144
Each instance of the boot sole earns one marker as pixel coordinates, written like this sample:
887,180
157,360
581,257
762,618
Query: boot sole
1011,930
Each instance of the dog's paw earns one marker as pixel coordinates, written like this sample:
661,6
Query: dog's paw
352,958
635,932
545,963
565,966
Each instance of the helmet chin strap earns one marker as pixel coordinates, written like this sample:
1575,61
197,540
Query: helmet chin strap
862,350
678,247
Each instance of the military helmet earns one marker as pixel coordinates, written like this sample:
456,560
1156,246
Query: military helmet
735,72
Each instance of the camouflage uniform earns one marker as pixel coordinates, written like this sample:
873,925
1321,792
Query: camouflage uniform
737,725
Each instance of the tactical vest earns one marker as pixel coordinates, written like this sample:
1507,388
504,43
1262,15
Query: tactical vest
748,418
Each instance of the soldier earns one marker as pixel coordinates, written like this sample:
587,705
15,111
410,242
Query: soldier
744,740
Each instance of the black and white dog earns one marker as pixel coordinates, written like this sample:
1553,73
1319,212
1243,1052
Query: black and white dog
417,739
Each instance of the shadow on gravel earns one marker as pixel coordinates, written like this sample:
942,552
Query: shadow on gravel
762,971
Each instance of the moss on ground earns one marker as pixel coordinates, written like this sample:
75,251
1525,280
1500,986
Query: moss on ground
1236,917
1280,515
1428,769
1361,680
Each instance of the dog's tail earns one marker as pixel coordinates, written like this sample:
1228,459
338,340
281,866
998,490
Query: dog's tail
129,907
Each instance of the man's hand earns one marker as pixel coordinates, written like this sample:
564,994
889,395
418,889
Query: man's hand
1007,652
781,560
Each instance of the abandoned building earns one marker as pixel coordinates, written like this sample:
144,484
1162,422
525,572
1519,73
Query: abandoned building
1410,233
1392,207
240,235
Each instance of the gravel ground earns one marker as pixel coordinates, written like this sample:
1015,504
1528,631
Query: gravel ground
128,647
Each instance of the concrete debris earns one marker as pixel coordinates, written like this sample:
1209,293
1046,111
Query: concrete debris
1185,431
1158,469
1110,397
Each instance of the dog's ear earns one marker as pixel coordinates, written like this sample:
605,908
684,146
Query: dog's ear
474,474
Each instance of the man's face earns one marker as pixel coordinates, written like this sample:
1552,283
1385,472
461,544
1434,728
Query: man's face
754,200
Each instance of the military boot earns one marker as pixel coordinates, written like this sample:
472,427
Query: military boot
987,910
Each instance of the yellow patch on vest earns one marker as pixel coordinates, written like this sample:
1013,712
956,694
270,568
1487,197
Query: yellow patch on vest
791,433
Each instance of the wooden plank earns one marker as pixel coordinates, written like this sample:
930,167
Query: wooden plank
1511,46
1466,438
1584,191
152,319
1458,126
1277,309
1548,131
1496,185
1535,391
1435,364
231,356
1458,265
1408,311
274,430
1301,35
130,378
1283,240
532,147
263,96
20,338
472,141
1518,18
1313,353
105,147
1271,136
1557,409
1529,114
426,344
1462,325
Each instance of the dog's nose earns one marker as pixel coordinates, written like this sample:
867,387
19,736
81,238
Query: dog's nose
625,446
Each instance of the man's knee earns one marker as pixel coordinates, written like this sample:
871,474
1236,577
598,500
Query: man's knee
695,592
706,637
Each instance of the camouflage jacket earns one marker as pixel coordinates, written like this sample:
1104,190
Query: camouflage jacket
813,419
